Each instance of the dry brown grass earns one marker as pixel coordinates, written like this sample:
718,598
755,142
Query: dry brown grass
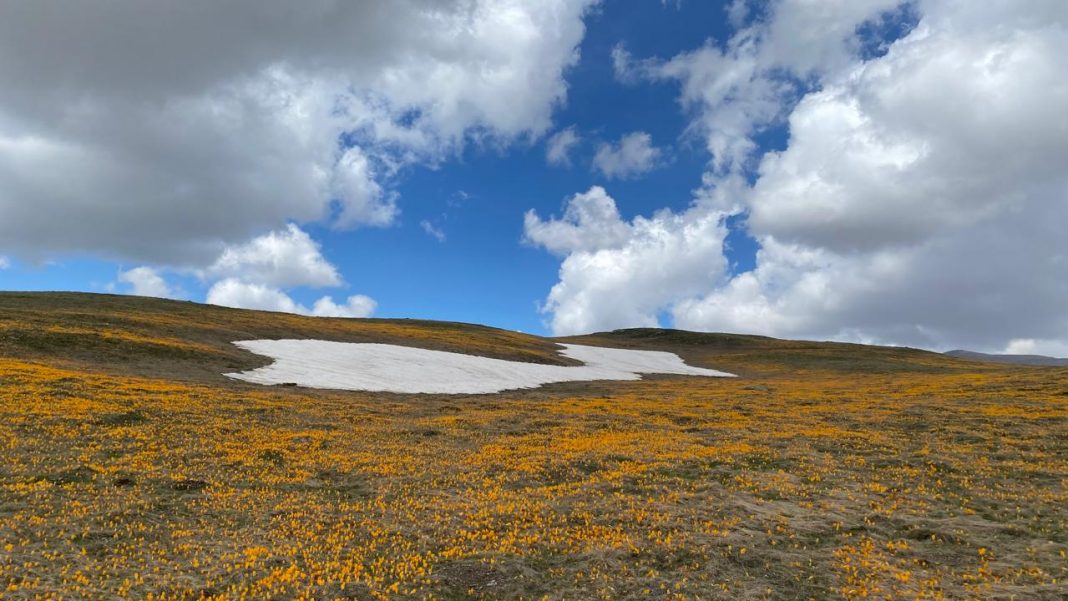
829,472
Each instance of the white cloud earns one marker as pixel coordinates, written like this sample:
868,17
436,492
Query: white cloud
738,89
590,222
432,230
737,12
146,281
920,199
885,154
5,263
355,306
623,66
281,258
619,273
254,275
558,147
244,295
920,222
632,156
164,136
362,198
1030,346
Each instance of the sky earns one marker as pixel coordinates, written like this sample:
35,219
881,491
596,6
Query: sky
870,171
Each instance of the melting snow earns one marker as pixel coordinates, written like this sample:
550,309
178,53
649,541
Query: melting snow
391,368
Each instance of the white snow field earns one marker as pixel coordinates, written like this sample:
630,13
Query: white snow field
391,368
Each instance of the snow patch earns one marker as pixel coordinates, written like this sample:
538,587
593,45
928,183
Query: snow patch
392,368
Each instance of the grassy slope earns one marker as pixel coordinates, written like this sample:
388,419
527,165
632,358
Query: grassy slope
156,337
763,356
829,472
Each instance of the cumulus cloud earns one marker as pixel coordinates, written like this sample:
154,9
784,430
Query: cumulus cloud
738,89
1030,346
146,281
163,135
884,155
255,275
590,222
281,258
632,156
558,147
245,295
920,199
618,273
355,306
919,222
5,263
363,200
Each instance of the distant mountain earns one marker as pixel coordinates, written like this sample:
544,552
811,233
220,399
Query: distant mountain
1040,360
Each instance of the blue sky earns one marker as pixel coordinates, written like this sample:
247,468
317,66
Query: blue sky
832,171
482,273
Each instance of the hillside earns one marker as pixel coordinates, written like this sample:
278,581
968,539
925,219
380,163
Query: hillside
1039,360
129,467
189,341
763,356
157,337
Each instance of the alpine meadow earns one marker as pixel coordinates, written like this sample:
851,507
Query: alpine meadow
533,300
133,469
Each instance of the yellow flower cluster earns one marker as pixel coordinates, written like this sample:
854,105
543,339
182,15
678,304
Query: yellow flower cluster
921,483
